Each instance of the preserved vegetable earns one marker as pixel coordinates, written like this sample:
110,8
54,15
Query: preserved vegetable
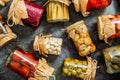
29,13
27,66
78,32
84,69
109,27
57,10
84,6
112,59
47,45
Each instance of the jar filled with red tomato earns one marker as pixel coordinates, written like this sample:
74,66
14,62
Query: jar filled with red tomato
87,5
97,4
115,20
109,27
22,63
27,66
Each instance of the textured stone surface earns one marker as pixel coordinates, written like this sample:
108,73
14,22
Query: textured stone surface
26,36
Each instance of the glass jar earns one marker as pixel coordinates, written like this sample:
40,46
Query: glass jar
109,27
22,63
78,32
74,67
27,66
84,6
35,13
6,33
57,11
31,13
112,59
79,68
97,4
116,21
52,45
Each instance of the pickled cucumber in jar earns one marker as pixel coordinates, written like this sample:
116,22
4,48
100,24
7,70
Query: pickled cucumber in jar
112,59
57,10
83,69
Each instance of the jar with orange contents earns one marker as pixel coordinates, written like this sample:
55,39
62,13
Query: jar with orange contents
97,4
26,65
84,6
116,21
109,27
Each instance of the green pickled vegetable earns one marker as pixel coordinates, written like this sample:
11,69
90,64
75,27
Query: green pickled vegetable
112,59
74,67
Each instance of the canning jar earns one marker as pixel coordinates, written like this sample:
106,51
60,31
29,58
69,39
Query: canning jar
35,13
87,5
6,33
78,32
27,66
108,27
112,59
97,4
31,13
46,44
84,69
57,10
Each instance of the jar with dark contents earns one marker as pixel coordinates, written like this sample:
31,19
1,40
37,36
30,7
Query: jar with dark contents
79,68
22,63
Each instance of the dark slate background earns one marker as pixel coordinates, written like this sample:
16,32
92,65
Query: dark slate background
26,36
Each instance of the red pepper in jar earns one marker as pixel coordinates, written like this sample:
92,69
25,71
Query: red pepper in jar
87,5
29,13
116,21
97,4
15,66
16,58
27,66
24,71
22,62
109,27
